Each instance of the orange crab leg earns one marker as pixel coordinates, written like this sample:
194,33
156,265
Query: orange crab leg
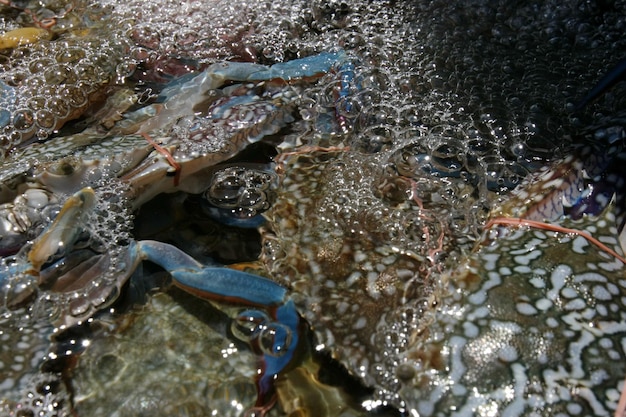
167,155
554,228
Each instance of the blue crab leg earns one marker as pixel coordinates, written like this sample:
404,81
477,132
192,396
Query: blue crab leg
228,285
216,283
298,68
177,97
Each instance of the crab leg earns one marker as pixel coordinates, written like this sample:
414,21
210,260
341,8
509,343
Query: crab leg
298,68
228,285
555,228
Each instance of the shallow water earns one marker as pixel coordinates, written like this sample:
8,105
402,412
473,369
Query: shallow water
450,107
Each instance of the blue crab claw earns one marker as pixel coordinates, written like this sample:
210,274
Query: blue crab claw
59,237
20,277
273,331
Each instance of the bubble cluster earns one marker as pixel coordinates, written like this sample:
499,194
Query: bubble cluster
21,352
45,395
245,190
107,230
364,253
455,106
99,254
47,83
397,154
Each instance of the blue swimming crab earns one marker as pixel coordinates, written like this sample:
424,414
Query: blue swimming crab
67,245
68,203
530,322
533,322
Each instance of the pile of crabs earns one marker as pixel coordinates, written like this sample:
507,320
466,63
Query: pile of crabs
193,227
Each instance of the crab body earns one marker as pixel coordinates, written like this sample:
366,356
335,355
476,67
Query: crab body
523,327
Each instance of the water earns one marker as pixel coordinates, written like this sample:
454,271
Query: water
450,105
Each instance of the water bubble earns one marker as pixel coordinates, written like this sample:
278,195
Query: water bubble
25,412
40,64
248,324
275,339
225,193
79,307
23,119
59,74
45,119
74,95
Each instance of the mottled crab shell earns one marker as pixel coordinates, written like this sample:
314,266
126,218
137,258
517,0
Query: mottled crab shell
532,324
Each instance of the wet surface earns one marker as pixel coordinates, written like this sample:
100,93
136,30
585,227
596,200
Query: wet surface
361,188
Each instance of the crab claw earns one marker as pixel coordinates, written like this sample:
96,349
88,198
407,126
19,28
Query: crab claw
272,331
61,235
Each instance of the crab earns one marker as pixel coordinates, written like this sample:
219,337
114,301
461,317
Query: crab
532,322
88,184
168,146
464,335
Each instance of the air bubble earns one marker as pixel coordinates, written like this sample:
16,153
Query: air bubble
59,107
59,74
45,119
70,55
36,102
251,198
40,64
239,187
448,158
14,79
5,143
23,119
275,339
25,412
78,307
225,193
248,324
125,69
74,96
